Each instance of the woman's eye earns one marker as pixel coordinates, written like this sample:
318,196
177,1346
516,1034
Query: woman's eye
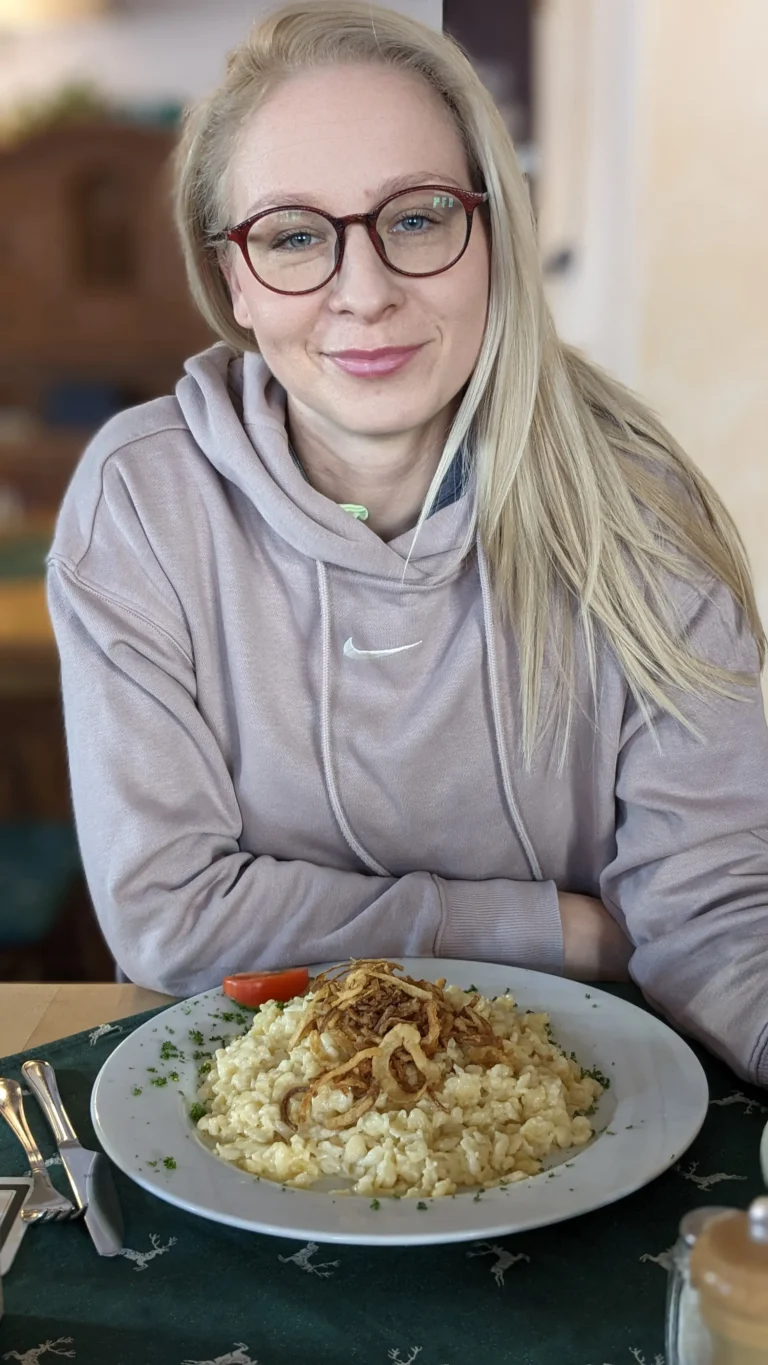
294,241
414,222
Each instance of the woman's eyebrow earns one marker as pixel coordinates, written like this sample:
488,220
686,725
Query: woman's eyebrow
390,186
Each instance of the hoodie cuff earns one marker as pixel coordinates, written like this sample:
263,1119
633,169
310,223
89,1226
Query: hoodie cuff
517,923
761,1070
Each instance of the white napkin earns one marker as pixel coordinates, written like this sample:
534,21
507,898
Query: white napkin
13,1192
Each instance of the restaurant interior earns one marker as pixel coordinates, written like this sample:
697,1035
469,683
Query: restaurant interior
642,128
649,192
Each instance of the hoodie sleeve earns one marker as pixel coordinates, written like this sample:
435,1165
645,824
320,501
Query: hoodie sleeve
690,875
179,901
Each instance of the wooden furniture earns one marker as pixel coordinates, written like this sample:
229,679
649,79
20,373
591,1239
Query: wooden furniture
96,316
92,282
31,1014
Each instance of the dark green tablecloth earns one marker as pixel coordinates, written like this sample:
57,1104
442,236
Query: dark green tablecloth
188,1292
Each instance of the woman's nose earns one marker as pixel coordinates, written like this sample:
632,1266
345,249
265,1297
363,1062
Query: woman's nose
364,284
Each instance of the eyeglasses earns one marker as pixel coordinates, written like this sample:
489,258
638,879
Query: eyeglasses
296,249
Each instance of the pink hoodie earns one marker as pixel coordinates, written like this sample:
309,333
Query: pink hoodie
290,742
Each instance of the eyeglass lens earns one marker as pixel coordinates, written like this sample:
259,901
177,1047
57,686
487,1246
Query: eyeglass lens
421,231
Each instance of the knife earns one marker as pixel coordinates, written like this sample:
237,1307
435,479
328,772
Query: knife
88,1172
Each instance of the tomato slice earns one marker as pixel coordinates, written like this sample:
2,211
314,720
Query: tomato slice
254,988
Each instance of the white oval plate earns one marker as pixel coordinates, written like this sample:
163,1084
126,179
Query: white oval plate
653,1110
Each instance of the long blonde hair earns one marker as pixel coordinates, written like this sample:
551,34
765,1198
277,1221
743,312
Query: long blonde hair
584,504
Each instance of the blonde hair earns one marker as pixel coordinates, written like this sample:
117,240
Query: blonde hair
583,502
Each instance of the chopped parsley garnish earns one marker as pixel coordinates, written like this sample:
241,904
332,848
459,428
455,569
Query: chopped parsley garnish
421,1206
596,1074
159,1081
153,1164
136,1090
473,988
197,1112
173,1075
204,1069
477,1197
196,1036
151,1068
169,1050
375,1205
170,1163
200,1054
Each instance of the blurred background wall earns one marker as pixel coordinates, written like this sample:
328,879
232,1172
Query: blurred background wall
702,245
642,126
153,50
652,141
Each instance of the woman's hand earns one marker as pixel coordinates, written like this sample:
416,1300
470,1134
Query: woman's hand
595,948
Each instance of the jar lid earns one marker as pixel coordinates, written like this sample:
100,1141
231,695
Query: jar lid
694,1223
729,1265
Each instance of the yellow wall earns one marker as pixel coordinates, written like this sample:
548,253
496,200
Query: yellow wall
701,242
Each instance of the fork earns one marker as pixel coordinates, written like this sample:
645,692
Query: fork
43,1204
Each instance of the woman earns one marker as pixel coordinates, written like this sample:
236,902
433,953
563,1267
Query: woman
400,629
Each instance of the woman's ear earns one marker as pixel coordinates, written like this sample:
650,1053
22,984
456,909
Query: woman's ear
240,309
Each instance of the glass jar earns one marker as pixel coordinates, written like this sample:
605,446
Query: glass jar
729,1270
688,1339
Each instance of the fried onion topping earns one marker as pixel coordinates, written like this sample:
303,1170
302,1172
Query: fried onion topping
386,1030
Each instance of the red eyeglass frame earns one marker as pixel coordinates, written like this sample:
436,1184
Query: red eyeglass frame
470,200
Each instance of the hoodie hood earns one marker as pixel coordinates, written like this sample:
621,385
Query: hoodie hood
235,410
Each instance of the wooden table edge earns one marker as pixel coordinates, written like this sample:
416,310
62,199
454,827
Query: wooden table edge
33,1014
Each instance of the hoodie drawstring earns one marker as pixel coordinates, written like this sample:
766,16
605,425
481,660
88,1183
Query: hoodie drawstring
325,731
493,678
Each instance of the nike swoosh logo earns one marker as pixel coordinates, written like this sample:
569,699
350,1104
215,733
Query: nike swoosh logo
352,652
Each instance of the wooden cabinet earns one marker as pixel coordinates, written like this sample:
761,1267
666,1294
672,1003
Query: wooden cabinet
94,308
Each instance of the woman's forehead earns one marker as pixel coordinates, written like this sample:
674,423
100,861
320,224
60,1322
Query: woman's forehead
342,138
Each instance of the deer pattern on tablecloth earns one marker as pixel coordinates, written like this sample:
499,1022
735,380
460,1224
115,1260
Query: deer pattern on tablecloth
705,1182
637,1355
504,1259
35,1353
237,1356
663,1260
140,1258
303,1259
102,1031
736,1097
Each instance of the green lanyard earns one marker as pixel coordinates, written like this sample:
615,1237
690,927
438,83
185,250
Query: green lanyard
355,509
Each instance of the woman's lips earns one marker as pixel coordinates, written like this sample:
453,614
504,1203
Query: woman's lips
373,364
